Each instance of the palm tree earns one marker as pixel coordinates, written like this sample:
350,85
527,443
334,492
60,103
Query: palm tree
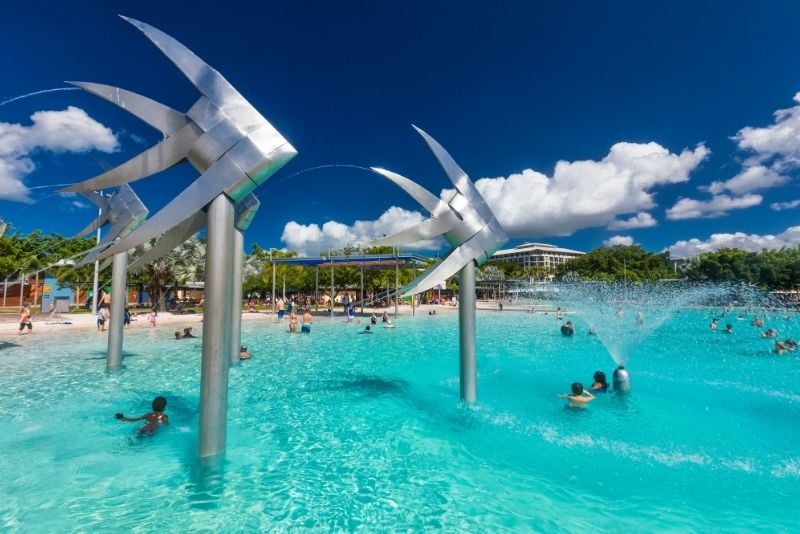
184,263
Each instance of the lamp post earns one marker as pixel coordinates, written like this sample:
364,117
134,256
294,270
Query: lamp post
96,263
273,282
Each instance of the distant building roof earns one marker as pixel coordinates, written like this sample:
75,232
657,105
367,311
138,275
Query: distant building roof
531,247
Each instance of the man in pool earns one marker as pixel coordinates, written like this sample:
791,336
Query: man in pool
154,419
307,320
579,397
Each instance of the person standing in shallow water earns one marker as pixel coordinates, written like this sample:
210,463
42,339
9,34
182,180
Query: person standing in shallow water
25,318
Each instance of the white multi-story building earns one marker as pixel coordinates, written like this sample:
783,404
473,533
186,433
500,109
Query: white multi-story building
537,255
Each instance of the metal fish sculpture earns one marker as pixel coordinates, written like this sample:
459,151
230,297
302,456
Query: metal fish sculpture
123,210
465,221
223,136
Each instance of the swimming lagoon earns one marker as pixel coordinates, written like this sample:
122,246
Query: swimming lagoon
338,430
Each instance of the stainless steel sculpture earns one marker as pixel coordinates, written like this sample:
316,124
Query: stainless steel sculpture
245,212
125,212
474,234
235,149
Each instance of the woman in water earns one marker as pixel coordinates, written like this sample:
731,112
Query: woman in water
600,383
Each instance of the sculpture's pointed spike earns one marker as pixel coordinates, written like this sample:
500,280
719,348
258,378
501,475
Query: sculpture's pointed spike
427,200
427,229
155,159
105,211
162,118
450,265
457,175
92,227
207,80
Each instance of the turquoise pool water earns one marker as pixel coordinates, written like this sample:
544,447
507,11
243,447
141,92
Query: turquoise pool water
341,431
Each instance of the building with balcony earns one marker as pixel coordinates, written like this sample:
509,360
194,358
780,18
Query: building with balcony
537,255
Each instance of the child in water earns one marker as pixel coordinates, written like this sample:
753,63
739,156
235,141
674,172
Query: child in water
600,383
153,418
579,397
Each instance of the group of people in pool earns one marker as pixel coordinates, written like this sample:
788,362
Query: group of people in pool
579,397
307,320
780,347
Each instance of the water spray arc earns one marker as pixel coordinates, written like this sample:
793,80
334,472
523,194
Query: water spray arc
473,232
235,149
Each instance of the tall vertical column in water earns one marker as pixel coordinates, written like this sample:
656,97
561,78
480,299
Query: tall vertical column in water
216,328
466,331
119,298
236,295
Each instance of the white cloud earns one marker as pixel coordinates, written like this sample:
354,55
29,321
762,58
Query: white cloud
719,205
580,194
640,220
311,239
750,242
781,139
70,130
583,194
780,206
749,180
624,240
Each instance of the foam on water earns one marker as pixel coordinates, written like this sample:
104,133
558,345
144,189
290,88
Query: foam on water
339,431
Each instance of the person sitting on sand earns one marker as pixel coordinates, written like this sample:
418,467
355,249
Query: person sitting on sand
600,383
244,354
579,397
154,419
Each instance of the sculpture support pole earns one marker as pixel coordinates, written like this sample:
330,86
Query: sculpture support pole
216,328
236,295
119,297
466,330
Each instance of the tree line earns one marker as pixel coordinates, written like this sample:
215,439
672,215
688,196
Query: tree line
20,255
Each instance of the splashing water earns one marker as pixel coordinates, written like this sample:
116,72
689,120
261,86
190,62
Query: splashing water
623,315
34,93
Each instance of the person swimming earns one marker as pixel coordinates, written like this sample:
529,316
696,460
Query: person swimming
579,397
600,383
367,330
568,329
244,354
154,419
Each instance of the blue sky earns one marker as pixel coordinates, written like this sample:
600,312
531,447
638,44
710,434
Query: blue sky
582,123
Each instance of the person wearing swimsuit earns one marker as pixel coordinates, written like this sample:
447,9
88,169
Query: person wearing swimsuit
154,419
